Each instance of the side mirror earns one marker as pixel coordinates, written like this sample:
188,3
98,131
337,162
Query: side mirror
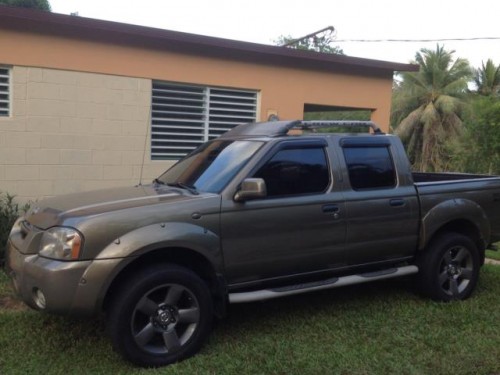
251,188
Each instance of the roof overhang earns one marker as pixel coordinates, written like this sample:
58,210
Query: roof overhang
40,22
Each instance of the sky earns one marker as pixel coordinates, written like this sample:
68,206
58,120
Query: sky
263,21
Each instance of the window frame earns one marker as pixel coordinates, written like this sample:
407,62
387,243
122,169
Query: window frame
366,144
289,145
7,112
194,114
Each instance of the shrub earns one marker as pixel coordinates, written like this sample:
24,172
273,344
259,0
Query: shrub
9,212
478,150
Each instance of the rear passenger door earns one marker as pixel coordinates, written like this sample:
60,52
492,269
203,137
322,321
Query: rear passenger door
382,208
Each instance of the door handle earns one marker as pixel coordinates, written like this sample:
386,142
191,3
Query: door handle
331,209
397,202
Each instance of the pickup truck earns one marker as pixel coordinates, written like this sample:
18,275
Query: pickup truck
258,213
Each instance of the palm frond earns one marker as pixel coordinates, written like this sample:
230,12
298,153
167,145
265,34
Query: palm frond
407,126
432,101
487,78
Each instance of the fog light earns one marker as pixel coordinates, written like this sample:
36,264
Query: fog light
39,298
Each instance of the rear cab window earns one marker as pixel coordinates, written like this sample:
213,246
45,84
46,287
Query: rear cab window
370,165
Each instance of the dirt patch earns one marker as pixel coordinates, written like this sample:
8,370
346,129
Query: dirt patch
11,303
492,261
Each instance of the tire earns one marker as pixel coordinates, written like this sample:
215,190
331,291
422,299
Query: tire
162,315
449,268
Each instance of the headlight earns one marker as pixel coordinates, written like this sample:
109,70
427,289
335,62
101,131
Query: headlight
61,243
17,226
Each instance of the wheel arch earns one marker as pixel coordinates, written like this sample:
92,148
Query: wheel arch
461,226
181,256
456,215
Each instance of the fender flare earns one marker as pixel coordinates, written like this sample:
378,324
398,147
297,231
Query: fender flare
165,235
132,245
450,211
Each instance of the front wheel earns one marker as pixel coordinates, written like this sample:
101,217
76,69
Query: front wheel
449,268
162,315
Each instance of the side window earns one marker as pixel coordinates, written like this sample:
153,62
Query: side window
296,171
370,167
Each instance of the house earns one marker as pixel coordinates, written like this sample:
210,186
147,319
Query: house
88,104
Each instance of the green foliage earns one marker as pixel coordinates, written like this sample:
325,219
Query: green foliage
487,79
495,255
361,115
375,328
35,4
428,106
319,43
9,212
478,150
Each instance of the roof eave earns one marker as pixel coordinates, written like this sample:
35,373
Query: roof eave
115,32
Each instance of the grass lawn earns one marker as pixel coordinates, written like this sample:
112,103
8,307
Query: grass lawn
493,254
377,328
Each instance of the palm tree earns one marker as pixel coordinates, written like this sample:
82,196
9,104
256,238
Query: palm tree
428,104
487,79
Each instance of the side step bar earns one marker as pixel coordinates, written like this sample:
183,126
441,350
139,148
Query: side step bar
265,294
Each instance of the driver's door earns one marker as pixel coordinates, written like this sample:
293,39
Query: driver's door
298,228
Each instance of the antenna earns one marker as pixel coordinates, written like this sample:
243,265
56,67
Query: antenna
331,29
145,143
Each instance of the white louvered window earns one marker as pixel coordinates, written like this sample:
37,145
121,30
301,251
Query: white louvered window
4,92
184,116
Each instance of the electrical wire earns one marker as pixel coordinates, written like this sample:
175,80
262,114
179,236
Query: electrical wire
414,40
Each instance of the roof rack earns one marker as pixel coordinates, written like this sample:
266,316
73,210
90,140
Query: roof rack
281,128
318,124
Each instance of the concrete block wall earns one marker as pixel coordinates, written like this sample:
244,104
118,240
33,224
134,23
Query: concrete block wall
73,131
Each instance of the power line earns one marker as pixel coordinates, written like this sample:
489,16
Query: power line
414,40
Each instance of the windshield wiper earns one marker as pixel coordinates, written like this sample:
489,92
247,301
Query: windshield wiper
182,185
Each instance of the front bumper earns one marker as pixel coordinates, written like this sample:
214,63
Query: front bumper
67,287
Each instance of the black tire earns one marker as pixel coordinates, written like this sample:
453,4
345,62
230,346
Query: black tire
449,268
162,315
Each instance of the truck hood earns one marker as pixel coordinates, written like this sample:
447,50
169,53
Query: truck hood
53,211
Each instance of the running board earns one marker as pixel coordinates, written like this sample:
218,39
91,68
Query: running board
265,294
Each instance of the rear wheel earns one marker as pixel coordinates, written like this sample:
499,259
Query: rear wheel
162,315
449,268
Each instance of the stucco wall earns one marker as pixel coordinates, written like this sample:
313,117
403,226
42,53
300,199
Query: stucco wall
80,106
284,89
72,131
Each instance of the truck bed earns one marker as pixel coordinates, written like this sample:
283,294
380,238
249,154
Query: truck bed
483,190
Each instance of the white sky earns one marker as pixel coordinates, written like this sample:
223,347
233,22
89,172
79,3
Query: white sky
262,21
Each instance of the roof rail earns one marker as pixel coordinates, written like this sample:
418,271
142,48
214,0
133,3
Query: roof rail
318,124
281,128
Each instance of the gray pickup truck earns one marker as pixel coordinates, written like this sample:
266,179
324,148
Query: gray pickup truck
256,214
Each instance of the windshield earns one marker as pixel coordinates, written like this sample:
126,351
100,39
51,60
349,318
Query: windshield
211,166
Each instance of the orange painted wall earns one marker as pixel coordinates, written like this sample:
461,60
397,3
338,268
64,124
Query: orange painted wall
282,89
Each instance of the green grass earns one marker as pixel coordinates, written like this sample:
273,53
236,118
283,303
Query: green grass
493,254
377,328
